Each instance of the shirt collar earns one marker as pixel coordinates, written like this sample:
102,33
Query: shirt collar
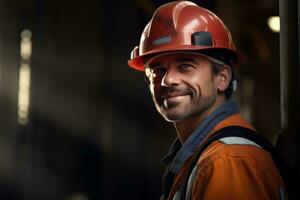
179,153
169,157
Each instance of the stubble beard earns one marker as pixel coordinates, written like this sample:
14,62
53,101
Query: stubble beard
185,110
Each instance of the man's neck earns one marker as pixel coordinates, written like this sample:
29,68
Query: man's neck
186,127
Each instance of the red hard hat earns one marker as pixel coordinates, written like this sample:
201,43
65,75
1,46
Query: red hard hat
184,26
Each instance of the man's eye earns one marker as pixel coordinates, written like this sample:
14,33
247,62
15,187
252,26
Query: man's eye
185,66
158,71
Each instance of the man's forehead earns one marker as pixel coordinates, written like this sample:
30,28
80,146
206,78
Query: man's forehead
174,57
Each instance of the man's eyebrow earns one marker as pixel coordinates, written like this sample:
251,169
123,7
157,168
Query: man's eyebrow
153,65
185,59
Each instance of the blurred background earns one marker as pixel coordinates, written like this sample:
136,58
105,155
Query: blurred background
77,123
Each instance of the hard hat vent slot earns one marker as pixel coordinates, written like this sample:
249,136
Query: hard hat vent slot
201,38
162,40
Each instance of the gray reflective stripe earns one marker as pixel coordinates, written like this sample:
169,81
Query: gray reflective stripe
190,183
282,193
177,196
228,141
238,140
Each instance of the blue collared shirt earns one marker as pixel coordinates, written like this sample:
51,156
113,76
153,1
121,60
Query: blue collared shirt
179,153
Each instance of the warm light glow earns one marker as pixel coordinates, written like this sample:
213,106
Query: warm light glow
25,49
24,77
274,23
24,92
77,196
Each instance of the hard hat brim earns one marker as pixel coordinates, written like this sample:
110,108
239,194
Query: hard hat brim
137,63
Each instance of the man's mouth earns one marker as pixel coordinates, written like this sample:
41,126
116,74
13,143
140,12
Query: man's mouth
173,98
172,95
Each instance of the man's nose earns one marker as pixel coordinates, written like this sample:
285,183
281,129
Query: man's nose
170,78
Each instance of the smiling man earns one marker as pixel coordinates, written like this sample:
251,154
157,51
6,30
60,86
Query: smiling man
184,88
188,57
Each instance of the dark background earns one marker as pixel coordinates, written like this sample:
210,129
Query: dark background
93,132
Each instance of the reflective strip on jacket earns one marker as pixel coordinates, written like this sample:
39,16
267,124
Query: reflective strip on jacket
232,171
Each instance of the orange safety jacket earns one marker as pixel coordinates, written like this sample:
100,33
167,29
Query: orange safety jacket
235,171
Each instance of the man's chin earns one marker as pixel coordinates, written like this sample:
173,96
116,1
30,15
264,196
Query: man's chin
173,117
173,113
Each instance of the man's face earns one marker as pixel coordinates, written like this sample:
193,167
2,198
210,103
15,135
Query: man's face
182,85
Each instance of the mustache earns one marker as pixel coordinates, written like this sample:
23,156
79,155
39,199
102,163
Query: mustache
165,92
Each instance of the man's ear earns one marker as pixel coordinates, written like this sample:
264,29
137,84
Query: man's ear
223,78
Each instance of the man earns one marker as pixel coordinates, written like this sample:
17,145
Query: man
188,57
